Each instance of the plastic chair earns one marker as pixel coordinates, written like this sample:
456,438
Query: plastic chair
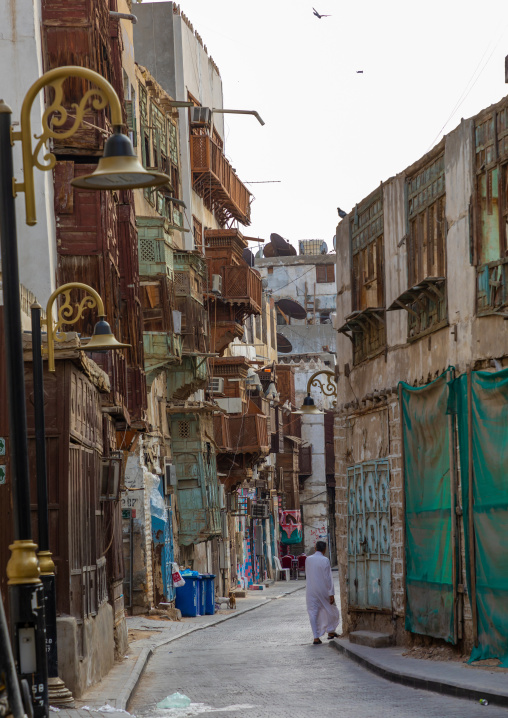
282,573
301,564
286,562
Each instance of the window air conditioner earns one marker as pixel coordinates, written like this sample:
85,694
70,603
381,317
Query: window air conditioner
201,116
216,385
216,284
169,476
111,467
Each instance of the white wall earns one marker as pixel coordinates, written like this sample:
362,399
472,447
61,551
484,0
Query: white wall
21,60
313,498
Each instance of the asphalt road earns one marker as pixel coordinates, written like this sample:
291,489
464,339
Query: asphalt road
263,664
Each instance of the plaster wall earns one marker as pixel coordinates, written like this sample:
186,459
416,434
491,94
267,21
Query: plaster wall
21,58
82,668
313,498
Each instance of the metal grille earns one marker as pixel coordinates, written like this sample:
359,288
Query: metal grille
369,574
184,429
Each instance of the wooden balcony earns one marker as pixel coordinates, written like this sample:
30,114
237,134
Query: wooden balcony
249,433
214,179
242,285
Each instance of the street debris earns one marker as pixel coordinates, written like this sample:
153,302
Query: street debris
175,700
483,702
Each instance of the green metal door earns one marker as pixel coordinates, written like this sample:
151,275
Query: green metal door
369,574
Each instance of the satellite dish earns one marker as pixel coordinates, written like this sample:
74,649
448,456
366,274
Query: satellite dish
334,240
291,308
269,250
248,257
284,346
282,248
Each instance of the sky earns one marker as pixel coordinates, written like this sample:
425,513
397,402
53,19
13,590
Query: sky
333,134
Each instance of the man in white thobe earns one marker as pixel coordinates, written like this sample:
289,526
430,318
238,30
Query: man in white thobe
323,613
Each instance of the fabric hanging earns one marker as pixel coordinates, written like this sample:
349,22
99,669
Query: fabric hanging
488,441
430,593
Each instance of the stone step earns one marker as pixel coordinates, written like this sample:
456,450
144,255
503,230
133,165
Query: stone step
373,639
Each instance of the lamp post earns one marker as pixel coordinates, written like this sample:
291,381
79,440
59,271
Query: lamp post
58,693
329,389
118,169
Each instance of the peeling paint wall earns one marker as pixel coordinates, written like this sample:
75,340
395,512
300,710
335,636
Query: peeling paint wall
367,425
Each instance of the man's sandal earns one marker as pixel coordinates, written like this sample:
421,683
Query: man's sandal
316,641
332,635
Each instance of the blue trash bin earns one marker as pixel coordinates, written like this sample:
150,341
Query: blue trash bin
188,597
208,589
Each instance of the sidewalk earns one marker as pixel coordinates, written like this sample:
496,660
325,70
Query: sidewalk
449,677
117,687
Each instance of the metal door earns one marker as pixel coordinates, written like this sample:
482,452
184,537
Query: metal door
369,574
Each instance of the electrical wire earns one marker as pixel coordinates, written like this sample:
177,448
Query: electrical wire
471,83
293,280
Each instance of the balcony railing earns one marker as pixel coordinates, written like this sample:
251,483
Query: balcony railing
242,285
214,178
249,433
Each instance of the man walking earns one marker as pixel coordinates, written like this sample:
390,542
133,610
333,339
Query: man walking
323,613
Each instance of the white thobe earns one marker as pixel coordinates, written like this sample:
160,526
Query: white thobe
324,617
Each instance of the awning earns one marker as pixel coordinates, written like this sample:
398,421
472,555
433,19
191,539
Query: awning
429,288
358,321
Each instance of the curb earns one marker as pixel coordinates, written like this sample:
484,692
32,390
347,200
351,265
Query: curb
413,680
125,696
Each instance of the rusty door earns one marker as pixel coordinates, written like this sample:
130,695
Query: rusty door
369,574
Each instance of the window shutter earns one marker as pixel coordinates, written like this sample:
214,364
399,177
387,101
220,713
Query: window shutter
321,273
330,273
131,120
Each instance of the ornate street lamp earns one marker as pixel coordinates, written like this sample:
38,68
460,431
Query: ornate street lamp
120,169
329,389
103,340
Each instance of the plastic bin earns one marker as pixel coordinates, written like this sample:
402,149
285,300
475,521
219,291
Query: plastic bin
188,597
208,591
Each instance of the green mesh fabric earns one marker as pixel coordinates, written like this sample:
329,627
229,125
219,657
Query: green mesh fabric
429,585
490,504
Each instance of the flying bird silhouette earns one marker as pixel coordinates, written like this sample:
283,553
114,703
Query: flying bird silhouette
359,72
317,14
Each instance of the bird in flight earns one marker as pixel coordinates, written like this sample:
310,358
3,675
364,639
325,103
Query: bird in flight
359,72
315,12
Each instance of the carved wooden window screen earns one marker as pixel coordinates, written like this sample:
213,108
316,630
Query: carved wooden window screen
367,254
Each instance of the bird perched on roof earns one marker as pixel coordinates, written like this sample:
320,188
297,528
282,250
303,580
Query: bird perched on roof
341,212
318,15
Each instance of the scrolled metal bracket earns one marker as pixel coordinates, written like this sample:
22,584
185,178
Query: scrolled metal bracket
328,386
66,312
55,116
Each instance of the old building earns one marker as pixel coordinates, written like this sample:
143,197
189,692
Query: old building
422,341
303,288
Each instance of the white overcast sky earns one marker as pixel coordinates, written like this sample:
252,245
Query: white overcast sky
331,135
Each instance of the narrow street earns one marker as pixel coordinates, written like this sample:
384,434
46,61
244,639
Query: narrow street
263,664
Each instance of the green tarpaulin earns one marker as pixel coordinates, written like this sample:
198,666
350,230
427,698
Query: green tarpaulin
428,546
489,402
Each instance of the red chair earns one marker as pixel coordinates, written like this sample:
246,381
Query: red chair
301,564
285,561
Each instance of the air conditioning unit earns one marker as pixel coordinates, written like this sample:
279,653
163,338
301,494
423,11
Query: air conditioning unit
260,510
201,116
111,467
216,385
216,284
169,476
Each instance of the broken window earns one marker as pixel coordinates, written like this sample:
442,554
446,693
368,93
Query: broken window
490,247
365,326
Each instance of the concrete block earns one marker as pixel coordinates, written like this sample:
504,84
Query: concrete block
373,639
